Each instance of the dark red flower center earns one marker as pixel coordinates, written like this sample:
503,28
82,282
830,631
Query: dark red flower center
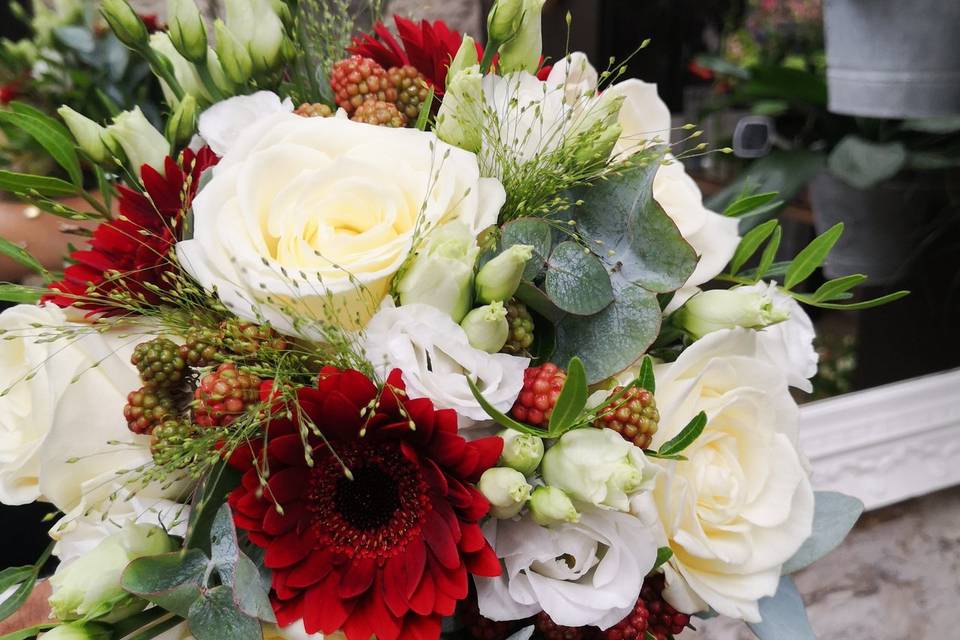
376,509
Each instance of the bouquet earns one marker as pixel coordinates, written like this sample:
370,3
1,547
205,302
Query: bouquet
404,336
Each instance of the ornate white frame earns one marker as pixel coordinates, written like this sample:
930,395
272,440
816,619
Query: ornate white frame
886,444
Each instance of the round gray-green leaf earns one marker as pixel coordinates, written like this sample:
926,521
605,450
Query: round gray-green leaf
533,232
576,280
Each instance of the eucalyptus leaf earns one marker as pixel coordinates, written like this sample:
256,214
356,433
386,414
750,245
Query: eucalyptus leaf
640,242
224,550
533,232
784,616
863,164
173,581
218,483
576,281
834,515
248,591
215,616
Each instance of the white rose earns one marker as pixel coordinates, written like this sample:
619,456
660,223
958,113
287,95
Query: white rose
580,573
222,124
788,345
436,359
310,218
741,504
54,433
645,118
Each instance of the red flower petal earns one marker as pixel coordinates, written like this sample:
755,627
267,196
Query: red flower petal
357,578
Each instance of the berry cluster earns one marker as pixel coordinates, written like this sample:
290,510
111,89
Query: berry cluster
520,338
223,395
663,621
538,397
634,416
374,95
163,372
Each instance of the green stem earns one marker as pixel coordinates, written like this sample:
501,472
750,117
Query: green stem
163,72
204,70
96,204
489,51
165,624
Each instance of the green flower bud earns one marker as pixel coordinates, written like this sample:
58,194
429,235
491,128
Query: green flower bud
465,59
87,133
460,117
125,23
550,505
506,489
441,273
487,328
521,451
79,631
522,51
90,585
132,136
186,29
237,64
718,309
183,122
503,21
258,28
499,278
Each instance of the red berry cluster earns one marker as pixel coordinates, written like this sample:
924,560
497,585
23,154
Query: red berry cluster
553,631
371,94
664,621
223,395
357,79
481,628
541,388
633,415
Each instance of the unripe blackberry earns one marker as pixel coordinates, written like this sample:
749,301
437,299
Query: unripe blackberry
246,338
412,90
201,347
223,395
553,631
634,416
379,113
357,79
521,328
159,364
538,397
314,110
169,440
147,408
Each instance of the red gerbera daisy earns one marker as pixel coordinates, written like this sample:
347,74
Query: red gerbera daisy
134,248
385,548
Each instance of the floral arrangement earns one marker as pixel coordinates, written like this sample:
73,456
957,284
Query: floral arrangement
405,344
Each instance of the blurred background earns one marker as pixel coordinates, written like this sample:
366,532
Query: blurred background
850,109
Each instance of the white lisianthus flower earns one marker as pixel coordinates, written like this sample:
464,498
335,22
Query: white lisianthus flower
741,504
788,345
598,467
580,573
720,309
294,631
79,386
306,220
221,125
436,359
576,75
132,136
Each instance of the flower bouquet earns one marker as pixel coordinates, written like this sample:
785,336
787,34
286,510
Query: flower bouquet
401,336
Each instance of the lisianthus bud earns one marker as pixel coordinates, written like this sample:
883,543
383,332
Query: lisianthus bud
184,71
550,505
125,23
257,26
183,121
506,489
237,64
522,52
91,583
521,451
139,141
503,21
465,59
186,30
87,133
441,274
710,311
499,278
487,328
79,631
596,466
461,112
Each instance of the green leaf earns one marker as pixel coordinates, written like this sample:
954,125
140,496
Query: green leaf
812,256
171,580
750,243
21,256
26,577
776,270
49,133
424,116
786,83
29,632
210,496
834,515
224,549
156,630
576,281
610,341
572,399
76,38
769,252
530,231
248,591
686,437
745,205
637,239
646,379
663,554
864,164
832,288
946,124
25,183
499,417
784,616
215,616
858,306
